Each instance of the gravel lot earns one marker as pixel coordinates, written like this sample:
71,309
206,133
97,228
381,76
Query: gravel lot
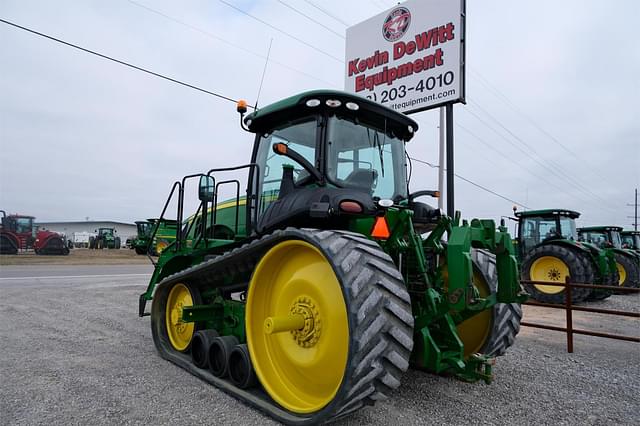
76,353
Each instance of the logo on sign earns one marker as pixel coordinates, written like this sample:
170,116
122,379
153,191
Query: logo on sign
396,24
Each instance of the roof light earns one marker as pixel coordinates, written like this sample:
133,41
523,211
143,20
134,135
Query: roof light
410,129
333,103
385,203
313,103
242,106
352,106
380,228
350,207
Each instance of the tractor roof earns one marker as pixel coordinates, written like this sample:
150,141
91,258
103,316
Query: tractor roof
631,232
548,212
600,228
291,108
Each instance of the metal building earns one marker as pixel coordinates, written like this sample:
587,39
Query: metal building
123,230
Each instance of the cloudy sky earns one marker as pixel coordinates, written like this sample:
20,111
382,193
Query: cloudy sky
552,119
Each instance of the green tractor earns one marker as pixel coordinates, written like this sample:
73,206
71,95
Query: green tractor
631,240
627,260
549,251
104,238
309,297
151,240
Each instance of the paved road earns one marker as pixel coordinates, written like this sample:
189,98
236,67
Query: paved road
70,275
73,351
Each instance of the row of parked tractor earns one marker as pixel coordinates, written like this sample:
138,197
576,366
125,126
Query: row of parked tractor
153,236
20,233
552,249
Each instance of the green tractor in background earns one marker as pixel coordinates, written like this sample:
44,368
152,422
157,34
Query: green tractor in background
627,260
154,235
104,238
309,297
631,240
548,250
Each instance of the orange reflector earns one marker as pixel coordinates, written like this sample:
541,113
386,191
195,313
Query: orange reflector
242,106
380,228
279,148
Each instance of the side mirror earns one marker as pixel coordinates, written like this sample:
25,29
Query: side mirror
206,189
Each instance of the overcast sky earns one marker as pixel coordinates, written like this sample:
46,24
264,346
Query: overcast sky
552,119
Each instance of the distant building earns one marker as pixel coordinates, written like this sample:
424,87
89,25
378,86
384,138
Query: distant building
123,230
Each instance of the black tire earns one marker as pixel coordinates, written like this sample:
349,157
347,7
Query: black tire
117,243
8,245
219,352
140,250
631,269
241,371
506,316
578,272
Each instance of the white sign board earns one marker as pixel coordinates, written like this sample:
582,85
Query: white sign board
411,57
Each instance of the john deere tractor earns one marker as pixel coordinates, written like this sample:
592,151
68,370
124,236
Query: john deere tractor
631,240
105,238
627,260
154,235
311,295
549,250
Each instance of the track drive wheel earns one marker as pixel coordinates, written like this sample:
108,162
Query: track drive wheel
329,324
554,263
628,271
177,332
493,331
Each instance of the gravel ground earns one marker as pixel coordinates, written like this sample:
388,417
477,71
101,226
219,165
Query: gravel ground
78,354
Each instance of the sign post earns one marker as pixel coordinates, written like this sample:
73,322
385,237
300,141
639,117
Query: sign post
411,58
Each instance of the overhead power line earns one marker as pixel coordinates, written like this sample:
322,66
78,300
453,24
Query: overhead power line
299,40
329,14
118,61
498,94
477,185
225,41
311,19
554,166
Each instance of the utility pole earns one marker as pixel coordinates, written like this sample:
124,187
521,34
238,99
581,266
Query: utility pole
441,162
635,216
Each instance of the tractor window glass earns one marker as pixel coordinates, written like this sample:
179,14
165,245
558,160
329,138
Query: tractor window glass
568,228
362,157
536,229
299,137
627,241
615,239
23,224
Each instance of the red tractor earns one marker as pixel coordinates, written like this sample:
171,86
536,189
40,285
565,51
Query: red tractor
18,232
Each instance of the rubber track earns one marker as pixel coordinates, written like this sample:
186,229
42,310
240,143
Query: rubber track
379,312
576,269
506,316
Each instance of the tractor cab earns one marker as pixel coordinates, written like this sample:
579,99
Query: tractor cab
144,228
324,157
602,236
539,226
630,240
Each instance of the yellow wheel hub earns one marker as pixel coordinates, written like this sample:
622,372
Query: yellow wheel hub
178,331
297,327
161,246
549,269
622,273
475,331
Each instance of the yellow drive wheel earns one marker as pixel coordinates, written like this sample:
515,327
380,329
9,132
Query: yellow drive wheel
622,273
178,331
475,331
297,326
550,269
